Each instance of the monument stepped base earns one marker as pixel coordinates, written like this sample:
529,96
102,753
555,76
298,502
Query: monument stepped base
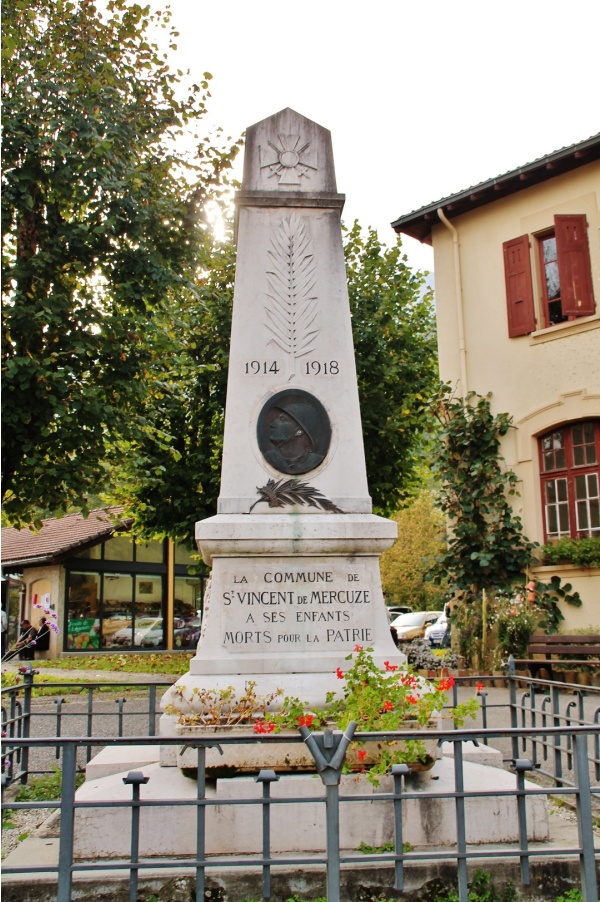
427,820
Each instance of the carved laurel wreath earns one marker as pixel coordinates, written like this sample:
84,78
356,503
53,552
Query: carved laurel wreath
289,491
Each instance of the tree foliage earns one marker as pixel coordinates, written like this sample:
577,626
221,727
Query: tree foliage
486,548
406,565
101,231
393,326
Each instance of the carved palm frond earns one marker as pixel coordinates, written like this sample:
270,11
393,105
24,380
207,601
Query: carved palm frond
292,305
289,491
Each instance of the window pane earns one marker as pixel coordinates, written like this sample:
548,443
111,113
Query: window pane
552,281
119,548
90,554
563,513
188,617
183,555
584,446
553,449
549,249
557,508
150,552
582,516
148,625
595,515
83,625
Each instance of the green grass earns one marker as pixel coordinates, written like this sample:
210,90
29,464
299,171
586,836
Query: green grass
162,662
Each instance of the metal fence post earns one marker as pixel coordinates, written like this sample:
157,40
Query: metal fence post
514,715
521,765
587,864
59,702
266,777
329,752
461,832
28,678
135,779
67,823
201,824
399,771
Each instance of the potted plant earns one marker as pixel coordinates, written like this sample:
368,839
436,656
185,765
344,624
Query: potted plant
393,699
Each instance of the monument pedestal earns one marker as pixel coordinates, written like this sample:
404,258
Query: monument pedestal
289,597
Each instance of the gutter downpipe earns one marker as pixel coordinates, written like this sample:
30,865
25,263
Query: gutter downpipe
462,348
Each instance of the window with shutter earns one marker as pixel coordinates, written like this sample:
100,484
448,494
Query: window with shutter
519,290
565,274
573,255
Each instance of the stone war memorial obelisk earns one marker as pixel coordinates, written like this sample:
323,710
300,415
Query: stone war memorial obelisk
294,547
294,550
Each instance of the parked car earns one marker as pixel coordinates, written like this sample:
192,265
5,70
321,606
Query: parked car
148,632
187,633
436,633
413,625
394,611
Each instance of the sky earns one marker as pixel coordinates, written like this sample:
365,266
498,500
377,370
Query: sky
423,98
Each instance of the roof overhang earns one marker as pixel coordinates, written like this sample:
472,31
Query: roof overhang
419,223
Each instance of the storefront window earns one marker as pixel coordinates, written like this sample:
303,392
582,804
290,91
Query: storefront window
83,624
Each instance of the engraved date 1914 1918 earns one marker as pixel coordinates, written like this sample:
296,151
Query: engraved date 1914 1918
312,368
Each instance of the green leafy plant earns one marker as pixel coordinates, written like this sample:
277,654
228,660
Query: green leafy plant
45,788
481,889
571,895
390,699
584,552
548,595
366,849
377,700
486,549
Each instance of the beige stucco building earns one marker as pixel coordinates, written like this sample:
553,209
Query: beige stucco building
517,278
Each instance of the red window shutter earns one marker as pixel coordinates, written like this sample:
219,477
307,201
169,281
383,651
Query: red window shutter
573,253
519,290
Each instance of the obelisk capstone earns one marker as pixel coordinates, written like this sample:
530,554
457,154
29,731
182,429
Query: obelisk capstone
294,547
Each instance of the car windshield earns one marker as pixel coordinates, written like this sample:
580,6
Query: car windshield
410,619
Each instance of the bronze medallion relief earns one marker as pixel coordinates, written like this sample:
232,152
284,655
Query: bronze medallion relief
293,431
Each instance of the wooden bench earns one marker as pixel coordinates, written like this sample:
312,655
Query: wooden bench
572,650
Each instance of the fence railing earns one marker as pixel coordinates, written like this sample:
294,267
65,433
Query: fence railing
337,806
552,732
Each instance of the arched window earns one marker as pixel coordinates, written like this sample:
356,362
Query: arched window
570,474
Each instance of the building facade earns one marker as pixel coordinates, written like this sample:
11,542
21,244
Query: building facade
103,589
517,279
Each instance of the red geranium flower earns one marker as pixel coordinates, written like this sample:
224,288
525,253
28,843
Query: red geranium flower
362,755
387,706
339,673
305,720
389,666
358,648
